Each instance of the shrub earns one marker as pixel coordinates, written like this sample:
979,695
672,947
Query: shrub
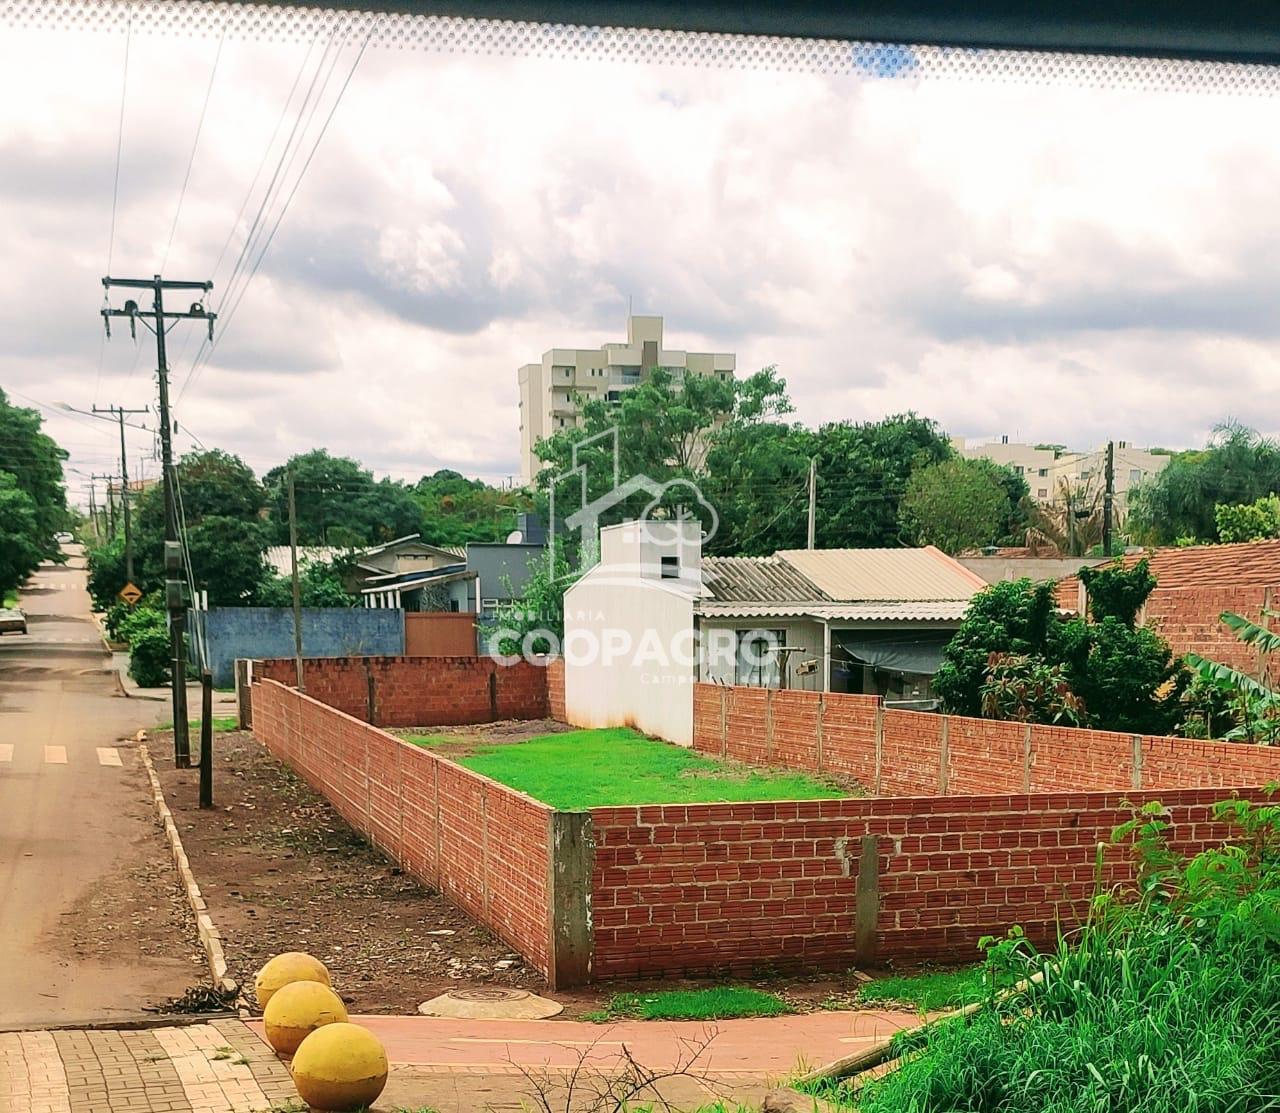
149,654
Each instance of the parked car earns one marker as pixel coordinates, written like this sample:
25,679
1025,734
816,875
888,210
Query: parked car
63,538
12,621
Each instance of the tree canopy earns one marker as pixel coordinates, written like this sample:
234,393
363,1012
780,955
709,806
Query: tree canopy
960,504
33,503
1015,651
1238,465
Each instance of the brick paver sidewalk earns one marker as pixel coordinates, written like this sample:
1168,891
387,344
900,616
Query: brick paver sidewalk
221,1067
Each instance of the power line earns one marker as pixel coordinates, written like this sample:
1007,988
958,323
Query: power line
267,196
195,143
288,200
115,189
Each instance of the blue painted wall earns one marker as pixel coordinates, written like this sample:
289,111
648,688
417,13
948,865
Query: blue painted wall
258,632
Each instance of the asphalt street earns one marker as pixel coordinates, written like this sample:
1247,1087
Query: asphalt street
73,811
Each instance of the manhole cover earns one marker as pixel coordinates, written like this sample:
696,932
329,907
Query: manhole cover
490,1003
492,993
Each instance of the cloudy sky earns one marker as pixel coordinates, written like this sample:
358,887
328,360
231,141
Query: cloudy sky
1058,264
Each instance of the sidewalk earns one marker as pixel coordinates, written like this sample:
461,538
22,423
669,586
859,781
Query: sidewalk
207,1068
447,1065
224,703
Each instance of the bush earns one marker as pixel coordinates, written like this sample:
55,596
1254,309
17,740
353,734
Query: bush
148,635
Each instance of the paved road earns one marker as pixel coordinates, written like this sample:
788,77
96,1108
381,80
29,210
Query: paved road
71,809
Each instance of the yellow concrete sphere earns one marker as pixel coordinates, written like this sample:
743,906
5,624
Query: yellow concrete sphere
340,1067
298,1009
292,966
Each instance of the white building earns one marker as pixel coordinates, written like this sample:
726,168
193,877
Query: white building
548,389
1046,469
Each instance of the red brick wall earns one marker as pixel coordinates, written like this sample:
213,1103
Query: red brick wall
730,887
1188,619
555,689
836,734
481,844
419,691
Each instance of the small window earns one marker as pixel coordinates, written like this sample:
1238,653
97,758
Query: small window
453,604
1135,476
1043,493
670,568
1044,472
1019,468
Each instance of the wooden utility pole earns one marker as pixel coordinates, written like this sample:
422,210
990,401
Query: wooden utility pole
297,585
1108,498
173,544
119,413
813,497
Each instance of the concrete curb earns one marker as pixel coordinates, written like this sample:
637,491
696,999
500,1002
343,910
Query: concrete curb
210,939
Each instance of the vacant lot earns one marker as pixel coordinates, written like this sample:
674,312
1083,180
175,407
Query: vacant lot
600,768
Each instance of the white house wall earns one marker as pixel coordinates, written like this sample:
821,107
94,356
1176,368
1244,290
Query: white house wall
650,687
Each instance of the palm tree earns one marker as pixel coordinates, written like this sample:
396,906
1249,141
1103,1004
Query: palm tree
1072,523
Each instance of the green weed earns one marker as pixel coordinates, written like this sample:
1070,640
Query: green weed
1167,999
717,1003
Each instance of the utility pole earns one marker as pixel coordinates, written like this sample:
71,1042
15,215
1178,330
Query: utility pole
108,511
93,508
297,586
1108,498
119,413
813,497
173,546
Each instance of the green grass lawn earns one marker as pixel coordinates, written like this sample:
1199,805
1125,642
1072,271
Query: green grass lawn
617,766
221,724
10,601
717,1003
930,990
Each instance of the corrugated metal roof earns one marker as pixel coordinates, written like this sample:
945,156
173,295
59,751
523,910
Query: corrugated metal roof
757,580
945,611
889,575
281,563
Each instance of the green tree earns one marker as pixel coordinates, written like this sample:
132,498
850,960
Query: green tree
34,460
1009,618
222,508
21,535
456,509
863,471
1118,676
319,585
339,503
956,504
757,471
1248,521
1238,465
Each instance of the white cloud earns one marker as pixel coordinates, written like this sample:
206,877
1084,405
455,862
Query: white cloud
1059,264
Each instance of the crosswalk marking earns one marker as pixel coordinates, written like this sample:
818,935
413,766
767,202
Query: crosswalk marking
6,753
55,755
108,755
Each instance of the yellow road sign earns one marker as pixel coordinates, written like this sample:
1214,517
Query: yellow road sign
130,594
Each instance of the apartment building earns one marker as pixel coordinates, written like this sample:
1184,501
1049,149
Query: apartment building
549,389
1046,468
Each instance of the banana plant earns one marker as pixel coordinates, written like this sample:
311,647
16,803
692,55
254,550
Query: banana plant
1256,705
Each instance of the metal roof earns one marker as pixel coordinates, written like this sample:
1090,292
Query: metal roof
280,562
946,611
888,575
757,580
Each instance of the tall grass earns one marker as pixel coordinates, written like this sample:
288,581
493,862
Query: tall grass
1166,1001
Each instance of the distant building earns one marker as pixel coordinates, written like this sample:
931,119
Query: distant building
548,389
1046,468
